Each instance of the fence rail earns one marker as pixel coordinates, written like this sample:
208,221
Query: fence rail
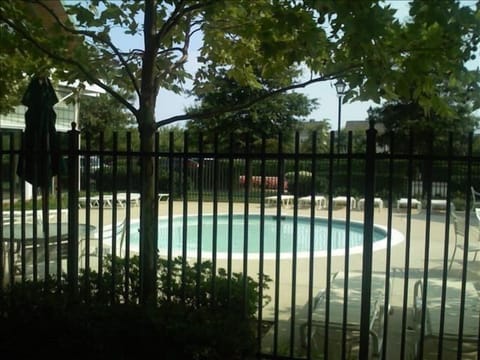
356,246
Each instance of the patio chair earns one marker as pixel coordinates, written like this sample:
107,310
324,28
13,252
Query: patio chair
455,304
352,322
122,199
475,198
120,231
459,236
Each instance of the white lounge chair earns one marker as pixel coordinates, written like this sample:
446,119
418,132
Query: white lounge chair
342,201
320,201
285,200
453,308
377,202
336,320
403,203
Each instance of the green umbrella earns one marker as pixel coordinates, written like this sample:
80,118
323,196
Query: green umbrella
39,160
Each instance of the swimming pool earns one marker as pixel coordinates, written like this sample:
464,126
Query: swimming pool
269,227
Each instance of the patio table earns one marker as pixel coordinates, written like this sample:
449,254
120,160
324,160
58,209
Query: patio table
32,236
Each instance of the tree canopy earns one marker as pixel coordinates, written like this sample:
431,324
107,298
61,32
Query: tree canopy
266,119
406,116
102,115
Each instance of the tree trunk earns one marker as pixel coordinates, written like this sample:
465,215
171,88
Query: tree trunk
148,217
147,128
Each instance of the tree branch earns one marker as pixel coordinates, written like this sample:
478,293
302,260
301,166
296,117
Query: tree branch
96,38
26,35
219,111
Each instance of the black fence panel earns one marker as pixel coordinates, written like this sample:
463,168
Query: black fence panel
334,254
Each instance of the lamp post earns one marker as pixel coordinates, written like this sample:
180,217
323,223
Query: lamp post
340,88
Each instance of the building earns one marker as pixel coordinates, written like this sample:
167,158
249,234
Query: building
362,125
67,108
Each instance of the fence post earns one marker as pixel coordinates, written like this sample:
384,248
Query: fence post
73,176
367,240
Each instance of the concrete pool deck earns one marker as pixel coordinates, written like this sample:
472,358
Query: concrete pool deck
426,242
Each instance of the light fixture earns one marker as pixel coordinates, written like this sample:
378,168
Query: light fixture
340,87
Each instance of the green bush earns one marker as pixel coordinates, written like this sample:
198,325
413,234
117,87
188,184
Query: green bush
303,185
199,315
108,181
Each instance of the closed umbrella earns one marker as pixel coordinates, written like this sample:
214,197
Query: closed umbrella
39,161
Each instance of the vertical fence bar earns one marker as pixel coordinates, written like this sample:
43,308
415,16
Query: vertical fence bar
293,305
125,238
311,258
230,219
72,262
367,241
22,204
59,220
114,187
171,172
156,191
248,169
23,209
427,187
386,304
329,244
465,248
3,281
215,215
347,243
448,213
407,247
35,228
100,185
261,263
185,214
199,216
277,243
88,194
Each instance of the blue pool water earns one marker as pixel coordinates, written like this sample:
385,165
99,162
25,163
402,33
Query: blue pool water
236,227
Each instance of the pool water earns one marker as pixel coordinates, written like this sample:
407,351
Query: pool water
278,237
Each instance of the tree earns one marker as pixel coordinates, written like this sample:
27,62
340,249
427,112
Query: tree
308,129
266,119
360,41
102,115
406,116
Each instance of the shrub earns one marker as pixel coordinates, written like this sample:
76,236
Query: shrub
199,315
304,184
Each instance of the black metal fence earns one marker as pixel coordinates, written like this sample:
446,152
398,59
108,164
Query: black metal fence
365,254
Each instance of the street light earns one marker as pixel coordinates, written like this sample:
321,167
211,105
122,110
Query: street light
340,88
